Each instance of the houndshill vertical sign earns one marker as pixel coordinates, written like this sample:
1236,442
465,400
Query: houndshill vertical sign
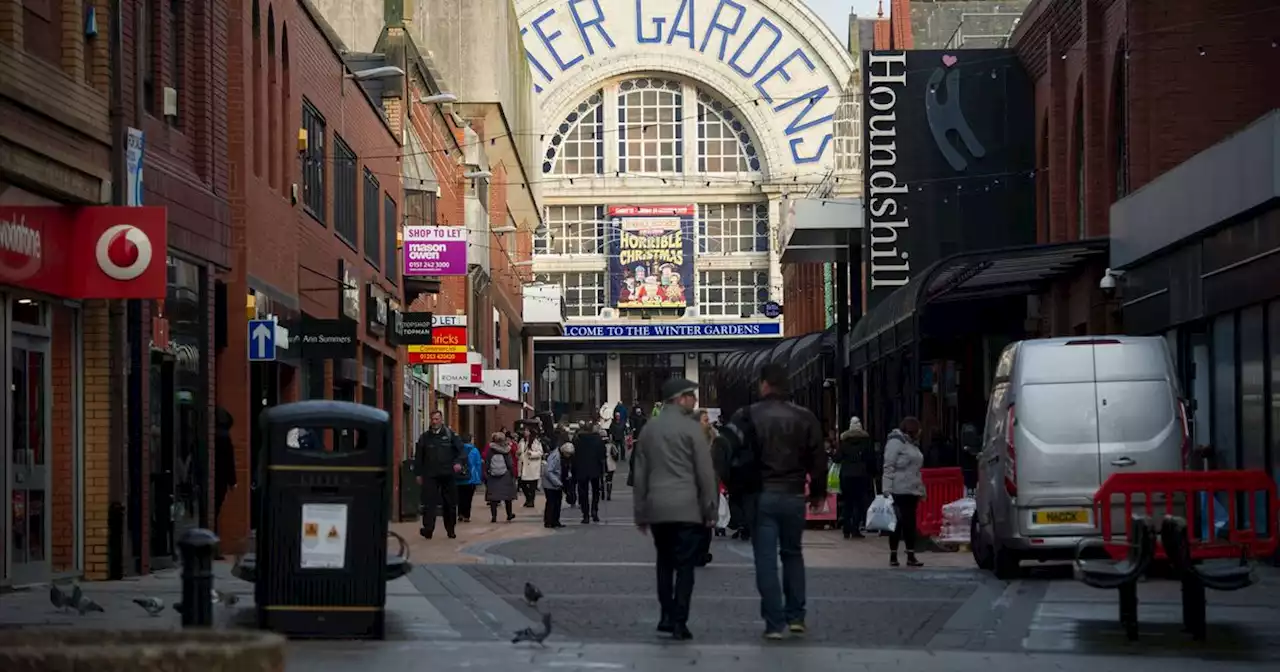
949,161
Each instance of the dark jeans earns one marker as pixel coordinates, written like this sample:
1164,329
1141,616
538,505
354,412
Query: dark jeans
590,505
551,510
441,492
704,548
608,485
905,508
465,494
677,545
855,497
530,490
779,526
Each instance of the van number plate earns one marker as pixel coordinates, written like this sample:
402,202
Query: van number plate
1062,517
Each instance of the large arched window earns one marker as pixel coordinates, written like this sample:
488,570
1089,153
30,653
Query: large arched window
579,141
1120,122
1082,226
650,126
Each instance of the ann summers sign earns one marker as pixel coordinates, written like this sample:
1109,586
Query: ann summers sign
949,161
771,51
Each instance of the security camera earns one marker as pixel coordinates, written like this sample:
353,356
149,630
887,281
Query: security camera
1108,282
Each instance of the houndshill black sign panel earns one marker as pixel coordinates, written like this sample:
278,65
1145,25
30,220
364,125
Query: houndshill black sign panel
949,165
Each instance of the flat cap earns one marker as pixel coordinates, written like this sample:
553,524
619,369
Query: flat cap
676,387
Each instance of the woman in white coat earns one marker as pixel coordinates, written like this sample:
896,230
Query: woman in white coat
903,461
530,466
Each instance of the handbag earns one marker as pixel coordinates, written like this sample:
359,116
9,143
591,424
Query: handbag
723,515
881,516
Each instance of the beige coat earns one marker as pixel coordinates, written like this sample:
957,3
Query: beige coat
675,479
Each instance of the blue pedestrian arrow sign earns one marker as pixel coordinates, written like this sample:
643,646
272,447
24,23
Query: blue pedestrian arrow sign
262,340
525,387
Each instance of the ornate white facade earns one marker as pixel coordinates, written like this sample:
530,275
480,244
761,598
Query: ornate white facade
729,106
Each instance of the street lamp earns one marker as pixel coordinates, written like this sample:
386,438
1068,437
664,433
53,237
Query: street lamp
541,230
438,99
381,72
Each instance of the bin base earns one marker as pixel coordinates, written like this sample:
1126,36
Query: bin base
319,623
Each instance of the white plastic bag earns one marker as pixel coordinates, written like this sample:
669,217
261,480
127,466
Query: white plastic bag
956,519
881,516
722,520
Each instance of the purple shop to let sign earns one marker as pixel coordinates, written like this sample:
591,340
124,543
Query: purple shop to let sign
435,250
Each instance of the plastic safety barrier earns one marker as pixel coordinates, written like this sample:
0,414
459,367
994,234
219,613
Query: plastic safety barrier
943,485
1226,511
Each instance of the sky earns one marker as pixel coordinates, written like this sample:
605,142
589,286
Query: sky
836,13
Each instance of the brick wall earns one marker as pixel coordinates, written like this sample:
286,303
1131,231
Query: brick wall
62,407
278,247
1211,62
97,432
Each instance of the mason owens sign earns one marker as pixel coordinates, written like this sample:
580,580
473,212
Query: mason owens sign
745,39
888,262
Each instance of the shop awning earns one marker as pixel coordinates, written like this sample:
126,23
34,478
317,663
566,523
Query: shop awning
478,398
972,275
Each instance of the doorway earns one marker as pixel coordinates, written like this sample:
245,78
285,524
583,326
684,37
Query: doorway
24,330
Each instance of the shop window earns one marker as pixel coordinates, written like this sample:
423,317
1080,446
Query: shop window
580,384
725,228
1224,391
583,293
313,377
577,147
369,377
732,293
1253,378
709,378
372,219
31,312
650,126
572,229
344,191
313,195
643,376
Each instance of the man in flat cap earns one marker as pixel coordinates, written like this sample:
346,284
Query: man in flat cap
676,497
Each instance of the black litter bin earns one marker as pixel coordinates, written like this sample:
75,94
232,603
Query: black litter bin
321,561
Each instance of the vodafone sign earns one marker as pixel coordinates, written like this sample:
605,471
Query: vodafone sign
85,252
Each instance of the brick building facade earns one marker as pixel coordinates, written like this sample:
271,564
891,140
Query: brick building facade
1107,74
310,150
55,148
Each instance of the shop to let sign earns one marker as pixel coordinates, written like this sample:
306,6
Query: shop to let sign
448,346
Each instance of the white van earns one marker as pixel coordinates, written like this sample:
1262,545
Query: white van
1065,414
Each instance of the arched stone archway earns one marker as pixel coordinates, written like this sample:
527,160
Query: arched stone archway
772,59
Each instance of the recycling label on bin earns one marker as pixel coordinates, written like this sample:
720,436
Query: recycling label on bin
324,536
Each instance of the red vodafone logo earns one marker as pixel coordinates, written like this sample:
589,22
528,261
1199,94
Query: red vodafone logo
124,252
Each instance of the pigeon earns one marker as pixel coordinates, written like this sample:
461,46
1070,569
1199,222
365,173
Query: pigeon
225,599
531,594
83,604
531,635
152,605
58,599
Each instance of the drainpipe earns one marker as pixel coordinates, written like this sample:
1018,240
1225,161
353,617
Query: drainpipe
117,356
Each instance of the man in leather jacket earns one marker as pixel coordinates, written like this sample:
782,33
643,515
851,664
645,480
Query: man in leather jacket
787,442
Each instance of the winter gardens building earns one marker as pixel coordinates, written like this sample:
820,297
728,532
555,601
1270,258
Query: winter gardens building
674,132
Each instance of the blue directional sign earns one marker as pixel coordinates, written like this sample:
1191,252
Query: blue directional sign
525,387
262,340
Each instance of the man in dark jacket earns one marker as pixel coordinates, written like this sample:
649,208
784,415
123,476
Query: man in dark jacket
439,456
785,441
588,470
856,455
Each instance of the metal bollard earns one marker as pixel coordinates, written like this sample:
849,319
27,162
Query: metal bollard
198,547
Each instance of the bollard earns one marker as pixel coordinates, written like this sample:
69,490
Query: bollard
198,547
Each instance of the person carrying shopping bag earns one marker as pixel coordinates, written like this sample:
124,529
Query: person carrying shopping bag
856,459
902,481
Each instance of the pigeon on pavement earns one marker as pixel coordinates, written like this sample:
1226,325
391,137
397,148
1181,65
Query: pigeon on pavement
531,594
531,635
58,599
224,598
83,604
152,605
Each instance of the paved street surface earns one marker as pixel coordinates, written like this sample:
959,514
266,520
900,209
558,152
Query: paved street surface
460,606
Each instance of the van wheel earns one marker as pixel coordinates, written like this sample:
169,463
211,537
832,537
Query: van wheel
978,545
1005,563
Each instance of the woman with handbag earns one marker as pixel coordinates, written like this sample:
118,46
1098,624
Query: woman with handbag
500,477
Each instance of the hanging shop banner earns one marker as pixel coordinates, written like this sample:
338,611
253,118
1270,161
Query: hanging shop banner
651,256
435,250
85,252
448,346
